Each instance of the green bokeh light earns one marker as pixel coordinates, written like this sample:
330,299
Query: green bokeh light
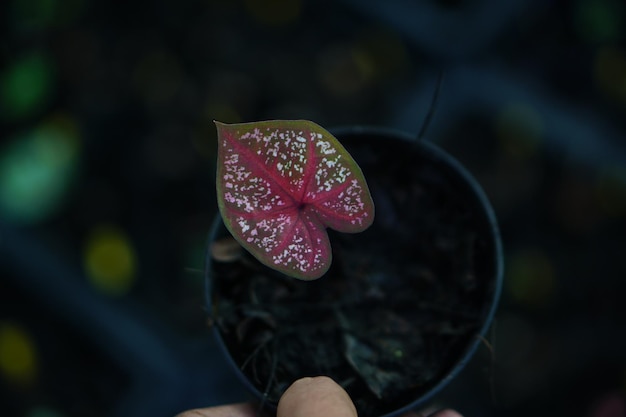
599,20
26,86
36,170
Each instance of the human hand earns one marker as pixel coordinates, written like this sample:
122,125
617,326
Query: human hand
307,397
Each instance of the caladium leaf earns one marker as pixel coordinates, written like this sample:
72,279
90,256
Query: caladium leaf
280,184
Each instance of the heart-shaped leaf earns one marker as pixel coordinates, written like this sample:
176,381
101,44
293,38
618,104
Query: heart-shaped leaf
280,184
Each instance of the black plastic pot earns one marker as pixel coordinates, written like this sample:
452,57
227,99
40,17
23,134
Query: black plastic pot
370,146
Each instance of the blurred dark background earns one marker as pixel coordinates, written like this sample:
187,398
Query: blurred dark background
107,194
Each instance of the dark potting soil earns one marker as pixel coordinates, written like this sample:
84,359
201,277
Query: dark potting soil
398,306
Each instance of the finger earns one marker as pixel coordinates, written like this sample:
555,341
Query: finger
315,397
230,410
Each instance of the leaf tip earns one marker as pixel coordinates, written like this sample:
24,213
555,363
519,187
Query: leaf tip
219,125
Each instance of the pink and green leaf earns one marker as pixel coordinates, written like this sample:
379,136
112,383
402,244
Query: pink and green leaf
280,184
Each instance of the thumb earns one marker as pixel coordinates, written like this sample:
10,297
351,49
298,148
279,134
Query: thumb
315,397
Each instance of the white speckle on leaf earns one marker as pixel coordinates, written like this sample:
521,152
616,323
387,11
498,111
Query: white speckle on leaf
325,147
244,226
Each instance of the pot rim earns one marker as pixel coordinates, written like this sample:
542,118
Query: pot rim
438,154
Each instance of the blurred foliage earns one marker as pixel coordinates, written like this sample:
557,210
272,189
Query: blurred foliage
107,180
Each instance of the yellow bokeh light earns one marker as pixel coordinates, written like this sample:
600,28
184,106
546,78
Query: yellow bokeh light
18,359
110,261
